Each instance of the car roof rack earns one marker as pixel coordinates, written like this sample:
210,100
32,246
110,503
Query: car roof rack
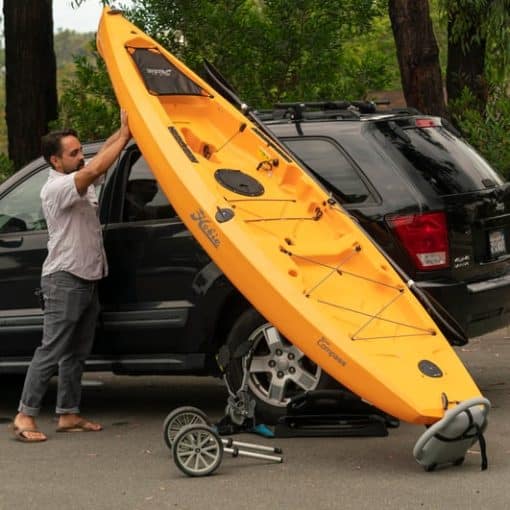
323,110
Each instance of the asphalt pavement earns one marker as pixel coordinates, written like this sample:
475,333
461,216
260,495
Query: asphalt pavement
127,466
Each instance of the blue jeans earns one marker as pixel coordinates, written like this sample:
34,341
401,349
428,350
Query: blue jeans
71,307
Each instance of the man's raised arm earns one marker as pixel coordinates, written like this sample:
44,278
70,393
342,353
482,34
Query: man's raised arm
108,153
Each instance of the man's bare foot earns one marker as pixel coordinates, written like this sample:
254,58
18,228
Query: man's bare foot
76,423
25,429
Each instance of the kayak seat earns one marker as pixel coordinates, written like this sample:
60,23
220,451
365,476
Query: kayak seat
447,441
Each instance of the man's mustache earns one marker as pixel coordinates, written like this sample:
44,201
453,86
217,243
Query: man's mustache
80,165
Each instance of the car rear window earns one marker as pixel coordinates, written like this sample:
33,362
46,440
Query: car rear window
442,159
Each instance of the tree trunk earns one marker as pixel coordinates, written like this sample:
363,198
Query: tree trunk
418,55
31,83
466,62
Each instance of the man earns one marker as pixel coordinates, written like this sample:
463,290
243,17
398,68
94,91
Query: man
76,261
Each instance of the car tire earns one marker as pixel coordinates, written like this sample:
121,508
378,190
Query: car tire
277,371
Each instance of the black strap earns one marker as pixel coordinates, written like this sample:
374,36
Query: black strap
472,430
483,448
464,435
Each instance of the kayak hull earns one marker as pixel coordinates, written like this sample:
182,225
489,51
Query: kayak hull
294,253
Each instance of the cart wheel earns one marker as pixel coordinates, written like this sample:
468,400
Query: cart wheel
197,450
179,418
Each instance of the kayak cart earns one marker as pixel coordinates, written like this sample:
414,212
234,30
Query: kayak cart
198,449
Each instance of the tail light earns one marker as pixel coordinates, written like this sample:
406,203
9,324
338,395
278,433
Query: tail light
425,237
428,122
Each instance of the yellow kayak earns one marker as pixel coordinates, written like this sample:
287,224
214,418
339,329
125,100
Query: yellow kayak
295,253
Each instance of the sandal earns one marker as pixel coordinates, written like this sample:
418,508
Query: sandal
20,435
80,426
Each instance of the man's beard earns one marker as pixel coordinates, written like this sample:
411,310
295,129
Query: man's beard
79,166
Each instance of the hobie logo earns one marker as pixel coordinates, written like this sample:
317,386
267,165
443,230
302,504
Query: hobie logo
158,72
325,346
206,226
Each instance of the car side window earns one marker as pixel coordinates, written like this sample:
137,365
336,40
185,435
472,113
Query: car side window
20,208
144,200
330,165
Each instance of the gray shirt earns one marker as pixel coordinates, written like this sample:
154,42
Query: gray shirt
75,240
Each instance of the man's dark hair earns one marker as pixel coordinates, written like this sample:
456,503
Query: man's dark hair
51,143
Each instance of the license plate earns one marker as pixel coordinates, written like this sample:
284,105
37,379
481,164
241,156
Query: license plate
497,243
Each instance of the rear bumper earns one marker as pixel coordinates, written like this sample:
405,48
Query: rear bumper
479,307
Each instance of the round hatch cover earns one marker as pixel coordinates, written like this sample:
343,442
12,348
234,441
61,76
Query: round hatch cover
429,369
239,182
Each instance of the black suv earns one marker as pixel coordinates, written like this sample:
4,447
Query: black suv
423,194
427,197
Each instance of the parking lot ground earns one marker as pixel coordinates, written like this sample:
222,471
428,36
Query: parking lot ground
127,466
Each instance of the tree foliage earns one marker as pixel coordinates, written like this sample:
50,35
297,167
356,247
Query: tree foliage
270,50
474,21
69,44
478,74
478,47
488,130
88,102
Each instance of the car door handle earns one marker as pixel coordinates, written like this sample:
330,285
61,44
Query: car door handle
12,242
